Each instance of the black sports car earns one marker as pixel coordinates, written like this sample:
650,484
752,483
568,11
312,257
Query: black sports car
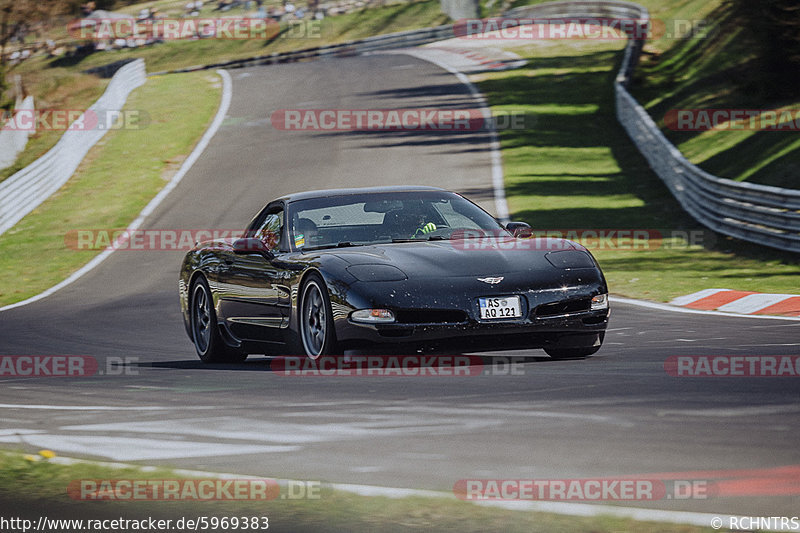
389,269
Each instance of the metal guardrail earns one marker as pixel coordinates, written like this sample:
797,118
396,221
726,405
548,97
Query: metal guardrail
405,39
22,192
13,140
769,216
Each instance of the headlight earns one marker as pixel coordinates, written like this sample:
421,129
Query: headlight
569,259
372,316
600,302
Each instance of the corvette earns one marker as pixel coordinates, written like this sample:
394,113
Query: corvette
389,270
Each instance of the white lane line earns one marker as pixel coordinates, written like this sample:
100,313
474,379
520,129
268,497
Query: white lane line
138,449
585,509
384,425
154,203
223,428
753,302
699,295
562,508
21,432
96,407
728,412
500,203
674,309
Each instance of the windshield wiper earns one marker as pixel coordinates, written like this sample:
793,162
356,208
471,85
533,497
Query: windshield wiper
431,238
343,244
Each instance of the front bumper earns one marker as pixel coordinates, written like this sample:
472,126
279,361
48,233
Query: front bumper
575,329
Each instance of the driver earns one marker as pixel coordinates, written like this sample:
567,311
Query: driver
424,228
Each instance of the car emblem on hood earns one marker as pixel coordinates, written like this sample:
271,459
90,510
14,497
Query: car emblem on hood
491,281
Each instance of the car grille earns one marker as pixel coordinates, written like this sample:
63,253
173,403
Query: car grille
430,316
563,308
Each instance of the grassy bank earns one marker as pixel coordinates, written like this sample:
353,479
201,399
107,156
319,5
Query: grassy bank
574,167
716,69
35,488
115,181
702,58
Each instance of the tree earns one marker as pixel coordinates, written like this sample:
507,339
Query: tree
18,17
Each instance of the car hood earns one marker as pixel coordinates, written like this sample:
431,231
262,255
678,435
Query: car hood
456,258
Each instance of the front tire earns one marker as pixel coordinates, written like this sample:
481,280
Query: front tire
205,331
317,333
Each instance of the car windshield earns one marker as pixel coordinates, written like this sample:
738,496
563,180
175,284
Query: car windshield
374,218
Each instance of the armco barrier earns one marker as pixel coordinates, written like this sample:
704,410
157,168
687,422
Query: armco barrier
765,215
13,141
403,39
24,191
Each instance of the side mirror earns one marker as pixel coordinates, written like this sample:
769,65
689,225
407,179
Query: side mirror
520,230
252,245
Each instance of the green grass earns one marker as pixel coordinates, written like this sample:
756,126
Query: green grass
34,488
575,168
115,181
718,71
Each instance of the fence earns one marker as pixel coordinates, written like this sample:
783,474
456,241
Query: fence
27,189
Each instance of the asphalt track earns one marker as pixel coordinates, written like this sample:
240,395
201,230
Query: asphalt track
613,415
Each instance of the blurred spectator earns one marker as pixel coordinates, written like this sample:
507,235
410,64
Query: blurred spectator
88,8
193,8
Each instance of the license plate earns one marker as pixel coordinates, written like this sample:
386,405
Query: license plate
505,307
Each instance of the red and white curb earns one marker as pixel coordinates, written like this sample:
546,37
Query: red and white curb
471,60
463,59
741,302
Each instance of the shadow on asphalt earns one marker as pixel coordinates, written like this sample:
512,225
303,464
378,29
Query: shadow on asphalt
287,363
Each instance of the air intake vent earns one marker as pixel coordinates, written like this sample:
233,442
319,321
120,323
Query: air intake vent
564,308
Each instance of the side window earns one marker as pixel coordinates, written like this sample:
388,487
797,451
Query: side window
270,230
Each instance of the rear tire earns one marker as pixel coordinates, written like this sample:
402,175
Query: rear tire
208,342
316,328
